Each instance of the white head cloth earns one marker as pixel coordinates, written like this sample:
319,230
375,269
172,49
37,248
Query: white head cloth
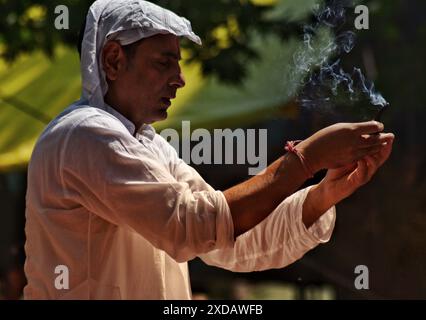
126,21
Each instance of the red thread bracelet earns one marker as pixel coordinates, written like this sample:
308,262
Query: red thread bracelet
290,146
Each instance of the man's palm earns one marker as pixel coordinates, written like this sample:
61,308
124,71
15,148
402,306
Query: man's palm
345,180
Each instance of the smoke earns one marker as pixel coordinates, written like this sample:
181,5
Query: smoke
319,63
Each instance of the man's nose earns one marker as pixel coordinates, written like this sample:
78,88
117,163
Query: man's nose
179,81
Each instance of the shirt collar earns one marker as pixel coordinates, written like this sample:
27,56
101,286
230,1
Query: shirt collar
145,130
127,123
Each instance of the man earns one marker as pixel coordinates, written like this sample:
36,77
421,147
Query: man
113,206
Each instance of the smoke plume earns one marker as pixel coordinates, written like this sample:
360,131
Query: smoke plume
320,62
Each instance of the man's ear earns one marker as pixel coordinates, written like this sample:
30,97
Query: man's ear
113,60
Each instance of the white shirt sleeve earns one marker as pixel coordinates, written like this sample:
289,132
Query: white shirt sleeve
113,175
277,241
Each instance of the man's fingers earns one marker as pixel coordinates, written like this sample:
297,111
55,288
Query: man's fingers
373,163
361,153
386,151
348,168
369,140
372,167
369,127
359,175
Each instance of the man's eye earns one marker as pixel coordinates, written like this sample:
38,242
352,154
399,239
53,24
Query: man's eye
163,63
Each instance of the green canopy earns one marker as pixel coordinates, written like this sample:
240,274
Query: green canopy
32,91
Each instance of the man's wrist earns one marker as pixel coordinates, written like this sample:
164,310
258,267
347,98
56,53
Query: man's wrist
314,162
323,197
315,205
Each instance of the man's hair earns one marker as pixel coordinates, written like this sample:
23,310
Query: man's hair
129,50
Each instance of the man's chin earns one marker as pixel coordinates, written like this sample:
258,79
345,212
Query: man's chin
163,114
160,115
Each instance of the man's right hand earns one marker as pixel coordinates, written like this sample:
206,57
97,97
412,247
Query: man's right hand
343,143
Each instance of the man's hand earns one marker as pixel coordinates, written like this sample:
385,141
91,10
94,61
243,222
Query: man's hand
340,183
342,144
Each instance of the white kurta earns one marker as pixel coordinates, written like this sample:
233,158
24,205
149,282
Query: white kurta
123,213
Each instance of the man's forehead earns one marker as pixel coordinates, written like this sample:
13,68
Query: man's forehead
164,44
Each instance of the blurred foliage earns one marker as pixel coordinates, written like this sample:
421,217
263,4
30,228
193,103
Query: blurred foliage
225,26
28,25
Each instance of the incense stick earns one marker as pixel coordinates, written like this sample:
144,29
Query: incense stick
380,112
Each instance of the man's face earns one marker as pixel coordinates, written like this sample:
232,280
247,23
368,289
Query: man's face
145,85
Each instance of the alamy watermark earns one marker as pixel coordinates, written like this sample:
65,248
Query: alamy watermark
62,20
362,280
221,146
62,280
362,21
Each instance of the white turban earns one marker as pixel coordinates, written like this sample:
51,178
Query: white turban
126,21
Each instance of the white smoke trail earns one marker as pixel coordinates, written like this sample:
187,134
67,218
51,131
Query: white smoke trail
319,62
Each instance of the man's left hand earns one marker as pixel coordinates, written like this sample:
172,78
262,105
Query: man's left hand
342,182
